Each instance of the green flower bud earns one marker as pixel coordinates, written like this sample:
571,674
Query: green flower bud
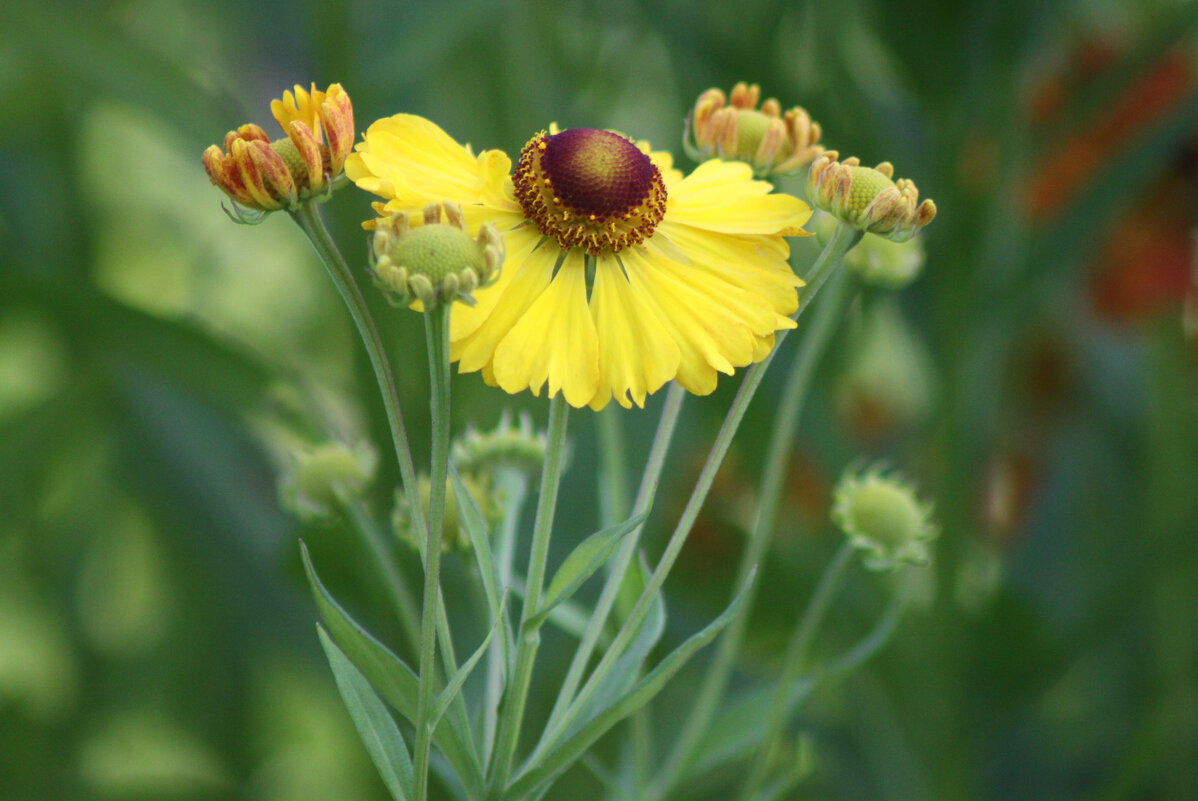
452,535
883,517
435,262
322,479
506,446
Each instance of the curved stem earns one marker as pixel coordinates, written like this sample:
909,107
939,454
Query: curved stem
308,219
793,664
513,486
436,326
528,639
613,477
615,578
829,259
781,445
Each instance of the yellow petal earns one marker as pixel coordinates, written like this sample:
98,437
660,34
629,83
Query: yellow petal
554,341
466,319
719,196
708,337
755,267
637,354
528,273
410,159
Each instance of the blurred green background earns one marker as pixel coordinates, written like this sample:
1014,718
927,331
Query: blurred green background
156,637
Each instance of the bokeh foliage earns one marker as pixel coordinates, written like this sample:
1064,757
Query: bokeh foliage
155,638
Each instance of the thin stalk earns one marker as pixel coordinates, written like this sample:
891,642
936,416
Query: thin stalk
619,566
781,445
793,665
393,580
528,639
613,476
843,239
513,486
436,327
308,219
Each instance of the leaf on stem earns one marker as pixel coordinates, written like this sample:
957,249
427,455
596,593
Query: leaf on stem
374,723
582,563
459,677
535,777
393,679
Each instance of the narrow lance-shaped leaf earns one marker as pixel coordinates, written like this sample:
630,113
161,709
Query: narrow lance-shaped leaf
393,679
582,563
533,777
454,686
374,723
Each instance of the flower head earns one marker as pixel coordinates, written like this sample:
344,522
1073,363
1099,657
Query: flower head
771,141
883,517
266,175
435,262
620,274
518,447
868,197
321,479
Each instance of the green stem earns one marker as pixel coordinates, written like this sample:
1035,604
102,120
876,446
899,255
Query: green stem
436,326
793,665
513,486
781,445
619,568
843,239
613,478
529,637
308,219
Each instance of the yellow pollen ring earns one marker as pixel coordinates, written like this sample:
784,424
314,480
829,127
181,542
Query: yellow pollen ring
590,189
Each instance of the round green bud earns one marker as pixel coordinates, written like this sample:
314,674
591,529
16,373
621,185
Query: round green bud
884,518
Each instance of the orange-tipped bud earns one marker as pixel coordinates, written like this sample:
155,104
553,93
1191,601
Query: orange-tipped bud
266,175
734,129
868,197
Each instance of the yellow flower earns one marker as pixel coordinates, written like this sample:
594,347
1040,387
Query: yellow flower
267,175
620,274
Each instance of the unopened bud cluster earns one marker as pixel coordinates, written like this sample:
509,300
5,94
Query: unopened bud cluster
771,141
506,446
436,262
265,175
883,517
868,197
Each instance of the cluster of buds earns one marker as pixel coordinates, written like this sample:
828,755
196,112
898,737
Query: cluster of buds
868,198
506,447
883,517
265,175
436,262
772,142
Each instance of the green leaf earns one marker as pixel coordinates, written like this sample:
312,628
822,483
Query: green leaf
568,616
626,670
582,563
533,778
372,720
454,686
394,680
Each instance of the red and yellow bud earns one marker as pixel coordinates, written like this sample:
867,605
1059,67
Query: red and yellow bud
266,175
734,129
868,197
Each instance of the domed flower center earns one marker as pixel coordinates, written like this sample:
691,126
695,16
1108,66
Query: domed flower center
590,189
